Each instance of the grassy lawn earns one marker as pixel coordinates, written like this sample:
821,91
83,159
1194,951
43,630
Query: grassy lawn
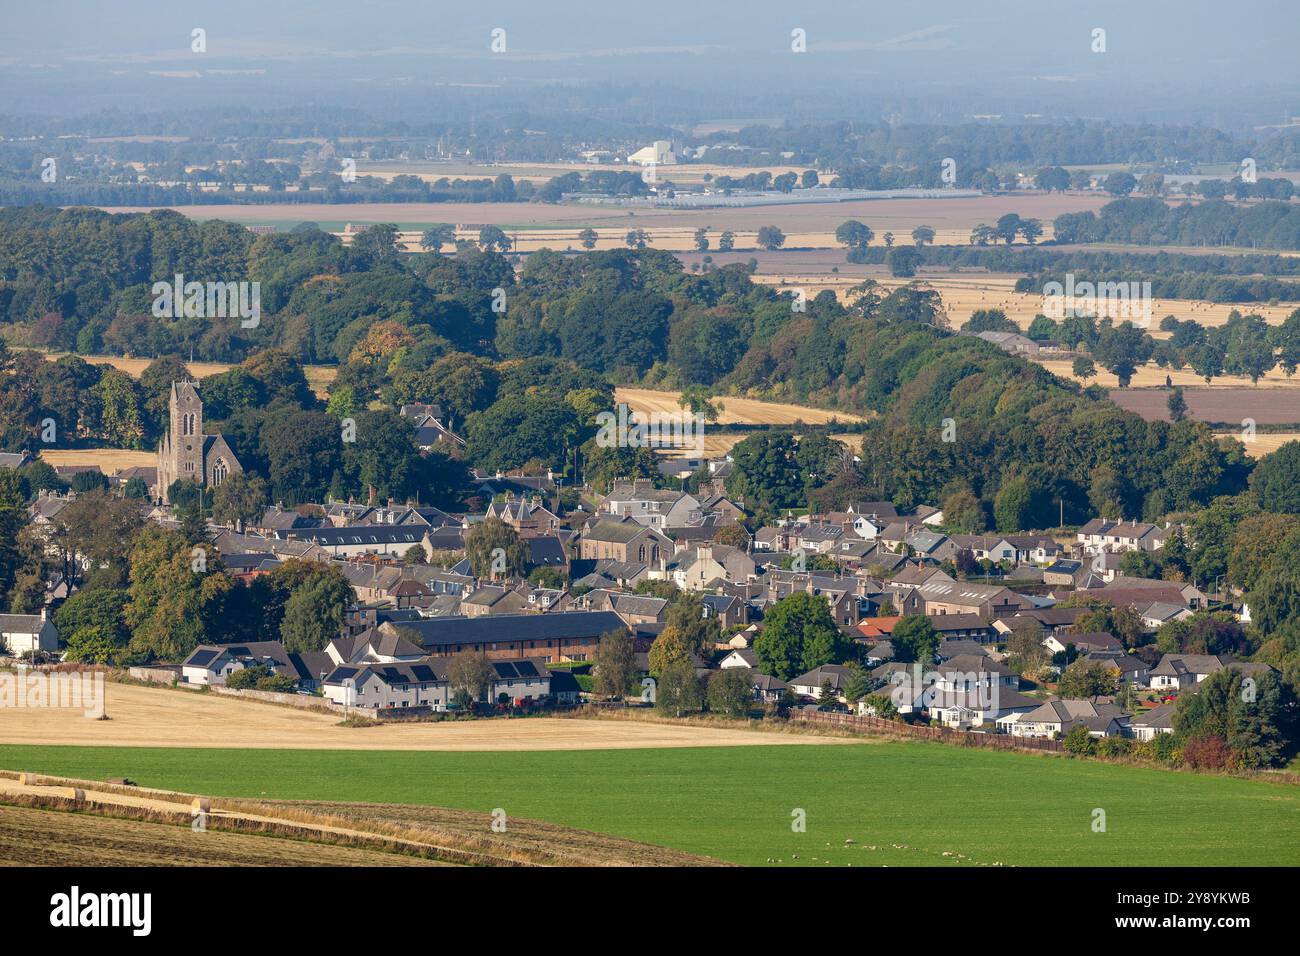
912,802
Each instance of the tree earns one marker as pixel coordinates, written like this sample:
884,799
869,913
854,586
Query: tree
798,635
1008,227
240,498
686,615
770,238
472,673
313,615
678,690
1078,741
903,261
668,648
989,320
13,516
730,691
637,239
438,235
100,610
1177,406
1084,368
615,664
915,639
1026,654
1276,480
1030,229
859,683
727,241
494,550
177,596
922,235
1119,184
962,511
853,234
494,239
1252,715
588,237
92,645
765,472
1121,349
1087,679
1017,505
702,238
1052,178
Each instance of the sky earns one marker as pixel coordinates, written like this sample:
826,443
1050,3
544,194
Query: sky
1164,60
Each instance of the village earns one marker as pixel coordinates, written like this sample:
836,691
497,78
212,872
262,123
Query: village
648,590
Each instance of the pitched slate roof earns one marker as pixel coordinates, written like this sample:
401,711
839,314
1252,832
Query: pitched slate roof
557,625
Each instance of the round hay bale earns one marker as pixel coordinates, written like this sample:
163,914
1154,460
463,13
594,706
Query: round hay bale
27,779
202,804
75,793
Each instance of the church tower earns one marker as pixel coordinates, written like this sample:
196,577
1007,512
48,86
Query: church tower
186,410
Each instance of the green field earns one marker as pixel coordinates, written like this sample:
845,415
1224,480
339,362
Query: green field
912,802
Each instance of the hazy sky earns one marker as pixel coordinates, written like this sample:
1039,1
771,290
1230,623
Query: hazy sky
1190,60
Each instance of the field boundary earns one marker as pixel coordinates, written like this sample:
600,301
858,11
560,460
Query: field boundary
72,795
963,738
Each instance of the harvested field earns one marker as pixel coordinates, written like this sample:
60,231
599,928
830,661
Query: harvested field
318,376
427,834
1264,443
109,460
1152,376
735,411
805,224
966,293
37,837
692,174
1267,406
164,717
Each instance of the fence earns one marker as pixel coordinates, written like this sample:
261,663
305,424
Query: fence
963,738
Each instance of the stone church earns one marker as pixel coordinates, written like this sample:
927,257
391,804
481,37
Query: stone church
185,452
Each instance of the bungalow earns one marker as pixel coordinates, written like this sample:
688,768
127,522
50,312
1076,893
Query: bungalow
810,684
212,664
767,688
1128,668
1062,572
1158,720
741,657
1183,671
1099,643
24,634
1056,718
